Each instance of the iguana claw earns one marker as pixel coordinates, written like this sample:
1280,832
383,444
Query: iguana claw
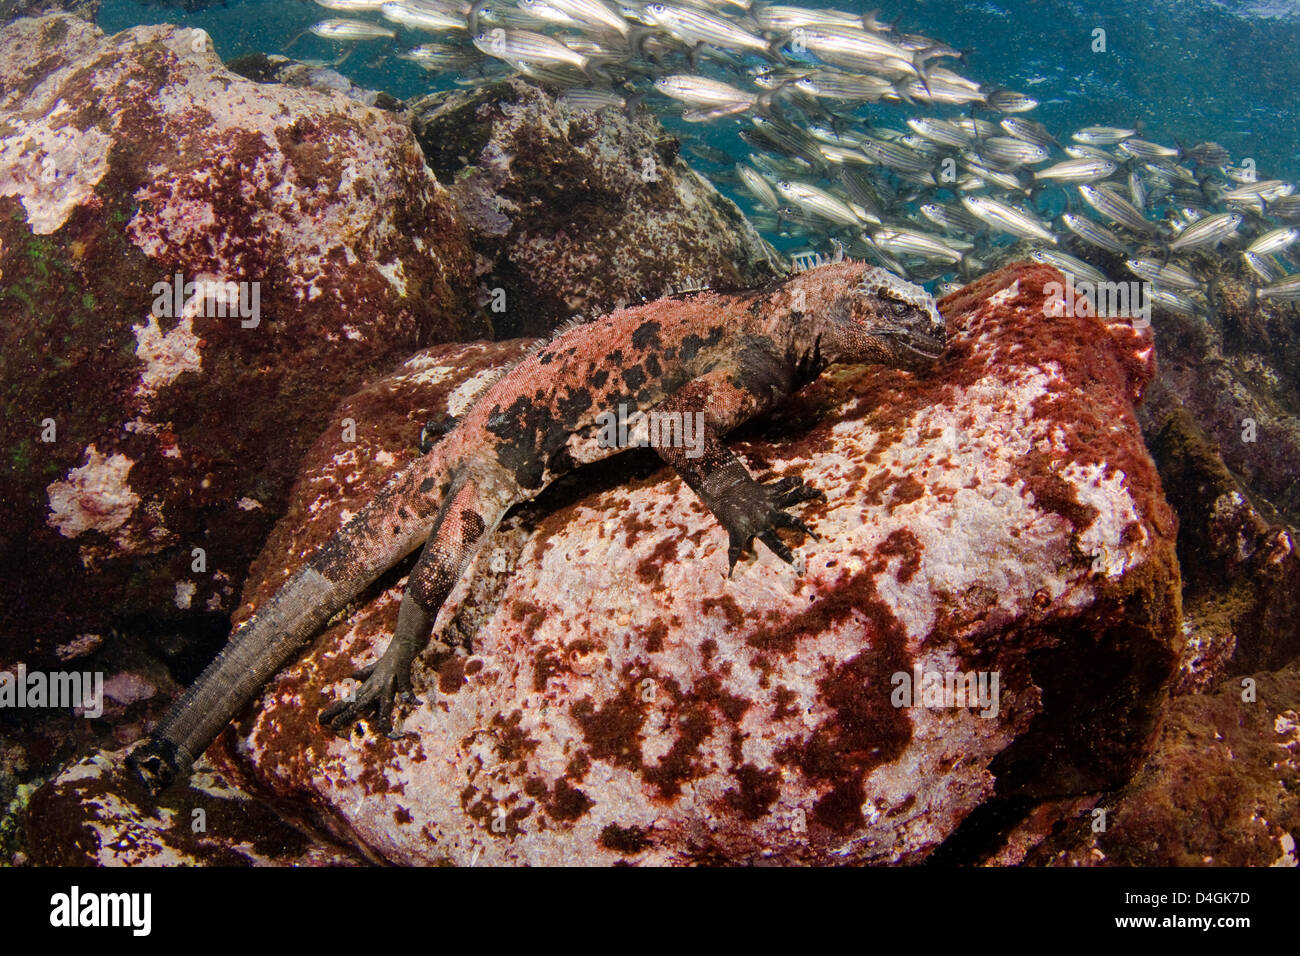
754,510
382,683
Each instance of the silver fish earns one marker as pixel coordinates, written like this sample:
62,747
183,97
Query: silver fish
1275,240
422,15
999,178
954,220
1208,232
894,156
1164,274
940,131
350,6
1007,101
910,243
1175,302
1116,208
1068,264
691,26
341,28
1028,130
1011,153
834,85
591,100
530,47
819,203
1102,135
1136,190
1007,219
1078,171
785,19
1286,290
1144,149
859,49
702,91
759,187
1093,234
1264,267
594,12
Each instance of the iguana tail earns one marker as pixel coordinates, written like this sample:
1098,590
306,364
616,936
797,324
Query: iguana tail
376,539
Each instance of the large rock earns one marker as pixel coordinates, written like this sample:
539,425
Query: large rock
128,159
575,211
1221,787
1223,423
602,692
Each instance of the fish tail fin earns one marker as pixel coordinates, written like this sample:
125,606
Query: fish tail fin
471,18
636,38
596,70
922,71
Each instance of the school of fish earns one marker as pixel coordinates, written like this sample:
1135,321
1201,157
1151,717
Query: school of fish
821,99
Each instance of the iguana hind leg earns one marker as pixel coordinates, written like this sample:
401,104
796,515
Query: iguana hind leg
465,522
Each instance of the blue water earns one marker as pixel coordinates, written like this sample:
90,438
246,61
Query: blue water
1182,70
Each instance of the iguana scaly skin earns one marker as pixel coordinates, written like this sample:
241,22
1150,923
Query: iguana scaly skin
730,357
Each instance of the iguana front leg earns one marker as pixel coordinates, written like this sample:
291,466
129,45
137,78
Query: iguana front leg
745,507
465,522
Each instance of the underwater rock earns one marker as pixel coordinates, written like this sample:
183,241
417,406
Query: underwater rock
575,212
1241,573
155,430
1221,787
11,10
1222,421
601,692
93,814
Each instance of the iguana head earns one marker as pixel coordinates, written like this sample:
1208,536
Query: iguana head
888,321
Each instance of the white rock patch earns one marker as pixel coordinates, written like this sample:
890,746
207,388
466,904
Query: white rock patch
165,355
94,497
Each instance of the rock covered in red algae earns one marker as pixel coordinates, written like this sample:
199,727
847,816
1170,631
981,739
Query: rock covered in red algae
139,431
576,211
603,693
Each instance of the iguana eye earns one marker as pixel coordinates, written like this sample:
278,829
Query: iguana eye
900,308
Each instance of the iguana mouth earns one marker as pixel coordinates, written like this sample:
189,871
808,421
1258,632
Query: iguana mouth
922,343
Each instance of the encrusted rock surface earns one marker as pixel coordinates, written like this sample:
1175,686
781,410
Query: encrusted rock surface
1223,424
11,10
603,693
576,212
138,434
1221,788
92,814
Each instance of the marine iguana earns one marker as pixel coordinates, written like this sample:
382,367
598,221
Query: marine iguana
730,357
